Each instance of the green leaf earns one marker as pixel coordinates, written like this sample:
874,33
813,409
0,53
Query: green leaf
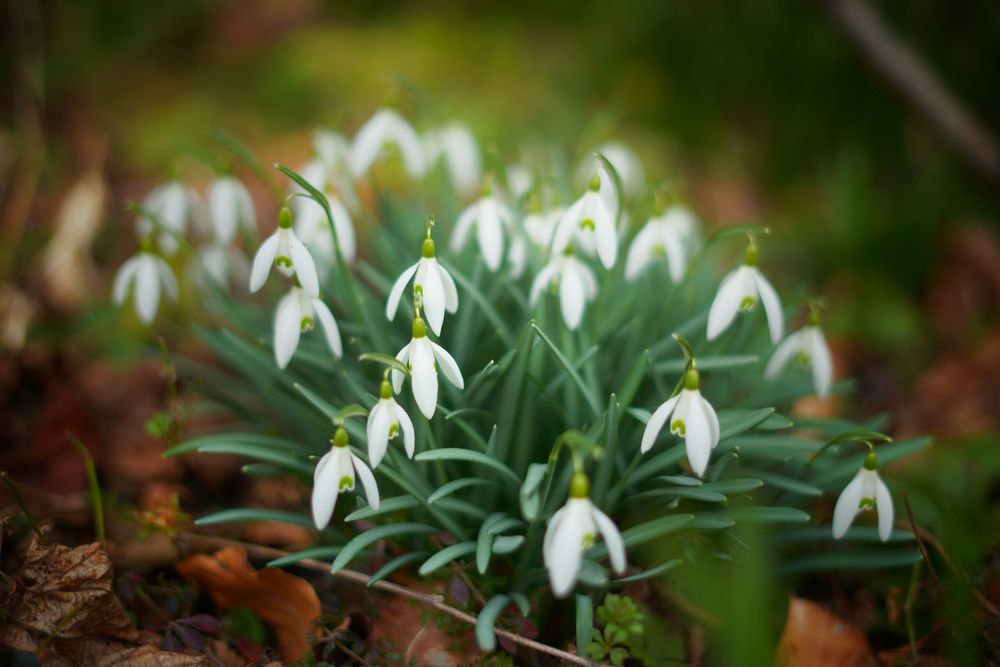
604,467
785,483
871,559
651,572
472,456
386,506
242,514
505,544
318,402
814,534
769,515
711,521
315,553
386,360
456,485
395,564
646,532
837,474
735,485
720,363
593,574
734,422
261,453
373,535
234,438
484,542
584,622
445,556
487,620
485,305
528,495
573,374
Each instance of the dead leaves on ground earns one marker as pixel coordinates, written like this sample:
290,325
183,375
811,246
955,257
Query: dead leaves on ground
62,606
288,604
815,637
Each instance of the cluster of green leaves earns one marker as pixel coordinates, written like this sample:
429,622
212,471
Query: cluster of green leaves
486,477
618,626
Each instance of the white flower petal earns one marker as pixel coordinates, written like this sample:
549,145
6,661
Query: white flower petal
448,365
782,355
403,357
883,504
463,226
368,144
305,267
847,506
344,228
604,231
571,295
697,436
330,329
167,279
367,481
406,426
489,235
612,538
396,293
326,481
263,261
567,226
542,282
713,421
124,278
224,208
821,362
640,253
566,547
772,306
377,430
450,291
433,296
726,303
147,288
287,328
674,248
656,422
423,380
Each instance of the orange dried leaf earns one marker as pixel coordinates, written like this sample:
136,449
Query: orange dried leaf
288,604
814,637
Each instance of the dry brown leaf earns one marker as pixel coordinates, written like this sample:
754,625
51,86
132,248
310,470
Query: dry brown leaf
814,637
285,602
63,607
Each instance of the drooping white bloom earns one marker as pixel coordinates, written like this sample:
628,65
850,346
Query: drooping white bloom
490,217
670,235
623,159
332,149
739,291
433,288
590,225
296,314
230,206
385,422
284,249
866,491
574,281
539,225
149,273
335,473
571,531
517,256
387,128
420,355
690,417
809,349
519,181
311,224
455,144
173,204
330,171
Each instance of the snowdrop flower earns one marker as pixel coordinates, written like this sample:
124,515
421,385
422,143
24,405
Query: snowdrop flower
173,205
312,227
332,149
575,283
489,216
591,224
330,171
866,491
455,144
284,249
385,422
739,291
571,531
335,473
420,355
669,234
222,261
229,206
296,314
387,128
517,256
623,159
519,180
809,349
539,226
690,417
433,288
149,273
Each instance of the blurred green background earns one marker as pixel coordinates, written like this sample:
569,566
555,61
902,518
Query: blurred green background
761,111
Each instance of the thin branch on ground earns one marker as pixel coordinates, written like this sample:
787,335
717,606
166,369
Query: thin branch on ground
189,543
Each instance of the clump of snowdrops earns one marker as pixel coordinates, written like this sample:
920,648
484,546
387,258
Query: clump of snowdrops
523,373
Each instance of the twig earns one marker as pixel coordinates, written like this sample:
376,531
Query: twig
923,549
198,543
351,654
911,78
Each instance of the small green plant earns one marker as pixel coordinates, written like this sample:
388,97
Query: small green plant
617,630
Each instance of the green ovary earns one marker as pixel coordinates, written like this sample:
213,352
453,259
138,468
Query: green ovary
678,426
346,483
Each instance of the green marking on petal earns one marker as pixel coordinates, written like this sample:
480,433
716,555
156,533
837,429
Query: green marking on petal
346,483
659,251
588,225
393,430
747,303
283,261
678,426
306,324
803,359
588,540
866,504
